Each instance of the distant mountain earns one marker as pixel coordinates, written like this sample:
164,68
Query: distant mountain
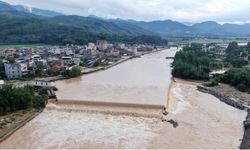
98,25
36,11
95,24
32,29
205,29
235,29
6,7
22,10
167,27
207,26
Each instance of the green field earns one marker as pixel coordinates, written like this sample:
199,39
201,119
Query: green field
207,40
34,46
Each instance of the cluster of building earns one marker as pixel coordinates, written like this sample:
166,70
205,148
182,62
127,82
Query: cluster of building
220,49
25,60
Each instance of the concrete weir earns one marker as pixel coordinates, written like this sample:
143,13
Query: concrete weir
110,108
137,87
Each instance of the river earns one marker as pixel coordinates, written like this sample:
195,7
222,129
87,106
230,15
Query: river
203,121
142,80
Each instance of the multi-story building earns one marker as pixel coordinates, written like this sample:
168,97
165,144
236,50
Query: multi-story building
87,54
121,46
13,71
102,45
67,60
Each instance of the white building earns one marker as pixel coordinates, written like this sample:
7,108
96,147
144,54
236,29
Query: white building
121,46
45,84
13,71
77,61
66,60
91,46
1,83
24,68
35,58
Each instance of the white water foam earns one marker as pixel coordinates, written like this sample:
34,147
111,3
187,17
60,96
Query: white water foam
182,104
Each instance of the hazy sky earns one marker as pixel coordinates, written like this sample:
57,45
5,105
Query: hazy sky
179,10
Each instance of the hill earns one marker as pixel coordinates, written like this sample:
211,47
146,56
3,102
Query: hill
29,29
21,10
37,11
98,25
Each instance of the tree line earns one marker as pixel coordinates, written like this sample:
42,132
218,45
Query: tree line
14,99
236,56
191,63
239,78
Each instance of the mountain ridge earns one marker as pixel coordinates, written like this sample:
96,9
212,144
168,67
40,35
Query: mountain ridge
164,28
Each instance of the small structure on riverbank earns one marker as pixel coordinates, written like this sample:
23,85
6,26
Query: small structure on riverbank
47,86
1,83
42,84
169,57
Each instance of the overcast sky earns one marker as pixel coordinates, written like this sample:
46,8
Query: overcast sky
236,11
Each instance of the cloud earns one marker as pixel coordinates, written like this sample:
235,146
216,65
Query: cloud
180,10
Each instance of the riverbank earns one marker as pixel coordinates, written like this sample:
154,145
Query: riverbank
246,138
233,101
14,121
171,100
203,121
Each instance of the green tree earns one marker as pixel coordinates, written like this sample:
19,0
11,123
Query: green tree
232,47
76,71
191,63
2,70
239,78
40,101
13,99
248,47
235,55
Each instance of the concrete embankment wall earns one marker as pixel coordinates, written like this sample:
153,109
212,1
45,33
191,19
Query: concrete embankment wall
246,138
245,144
223,98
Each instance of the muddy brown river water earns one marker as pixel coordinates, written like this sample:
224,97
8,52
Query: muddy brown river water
203,121
142,81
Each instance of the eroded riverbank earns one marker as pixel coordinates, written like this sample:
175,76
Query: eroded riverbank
203,121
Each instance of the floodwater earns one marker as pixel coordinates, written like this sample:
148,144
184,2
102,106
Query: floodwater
203,121
142,80
72,130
